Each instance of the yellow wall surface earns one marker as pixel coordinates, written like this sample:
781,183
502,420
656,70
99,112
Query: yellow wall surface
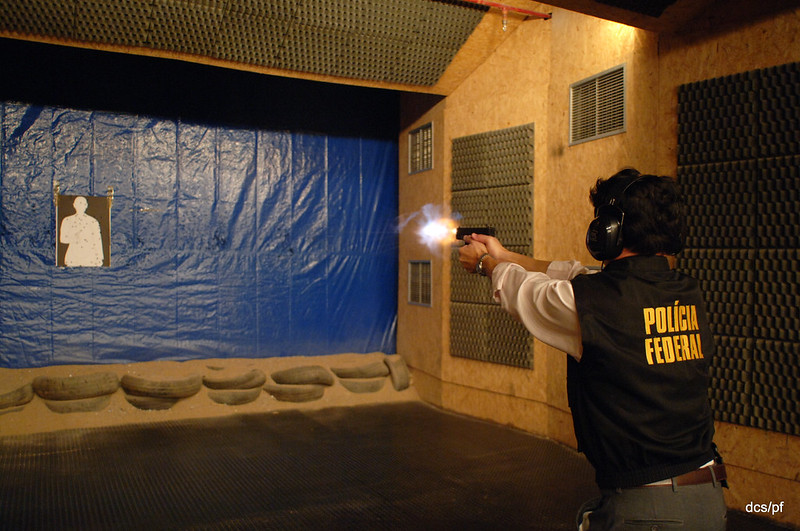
763,466
526,80
420,329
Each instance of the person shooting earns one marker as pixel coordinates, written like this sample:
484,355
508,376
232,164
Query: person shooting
639,347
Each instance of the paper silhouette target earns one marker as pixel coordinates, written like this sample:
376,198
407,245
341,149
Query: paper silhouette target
82,227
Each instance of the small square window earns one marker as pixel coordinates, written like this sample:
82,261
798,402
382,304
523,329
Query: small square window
420,149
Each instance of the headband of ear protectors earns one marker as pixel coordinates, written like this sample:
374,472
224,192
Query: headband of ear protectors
604,237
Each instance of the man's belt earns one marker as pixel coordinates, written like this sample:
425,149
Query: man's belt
707,474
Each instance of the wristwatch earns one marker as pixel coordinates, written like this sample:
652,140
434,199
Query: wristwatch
479,266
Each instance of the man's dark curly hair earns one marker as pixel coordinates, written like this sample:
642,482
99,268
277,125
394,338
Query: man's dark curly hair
655,213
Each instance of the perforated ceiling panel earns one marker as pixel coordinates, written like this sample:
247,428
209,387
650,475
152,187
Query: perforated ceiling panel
409,42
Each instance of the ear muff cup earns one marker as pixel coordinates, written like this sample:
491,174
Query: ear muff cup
604,236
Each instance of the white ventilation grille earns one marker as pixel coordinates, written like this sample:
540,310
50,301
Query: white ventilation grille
420,149
419,282
597,106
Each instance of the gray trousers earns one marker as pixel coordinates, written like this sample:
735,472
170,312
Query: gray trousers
692,507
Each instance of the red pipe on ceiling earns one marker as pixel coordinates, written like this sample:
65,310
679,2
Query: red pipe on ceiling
505,8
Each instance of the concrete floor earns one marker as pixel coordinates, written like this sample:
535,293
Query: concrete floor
389,466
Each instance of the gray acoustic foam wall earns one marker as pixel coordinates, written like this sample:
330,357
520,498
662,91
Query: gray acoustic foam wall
739,166
492,185
408,41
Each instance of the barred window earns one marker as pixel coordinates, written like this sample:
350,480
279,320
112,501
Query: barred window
420,149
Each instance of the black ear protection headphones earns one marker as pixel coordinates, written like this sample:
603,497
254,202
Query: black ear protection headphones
604,237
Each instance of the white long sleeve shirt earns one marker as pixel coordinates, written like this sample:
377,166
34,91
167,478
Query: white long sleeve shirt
543,302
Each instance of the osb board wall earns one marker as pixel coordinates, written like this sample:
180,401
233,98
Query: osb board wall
691,57
506,91
582,47
763,466
527,81
420,329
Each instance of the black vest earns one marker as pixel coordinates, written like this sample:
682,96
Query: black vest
639,395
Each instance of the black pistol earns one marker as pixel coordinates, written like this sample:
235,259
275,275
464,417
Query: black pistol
468,231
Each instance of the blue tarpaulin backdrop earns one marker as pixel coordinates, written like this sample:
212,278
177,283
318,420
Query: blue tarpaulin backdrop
225,242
